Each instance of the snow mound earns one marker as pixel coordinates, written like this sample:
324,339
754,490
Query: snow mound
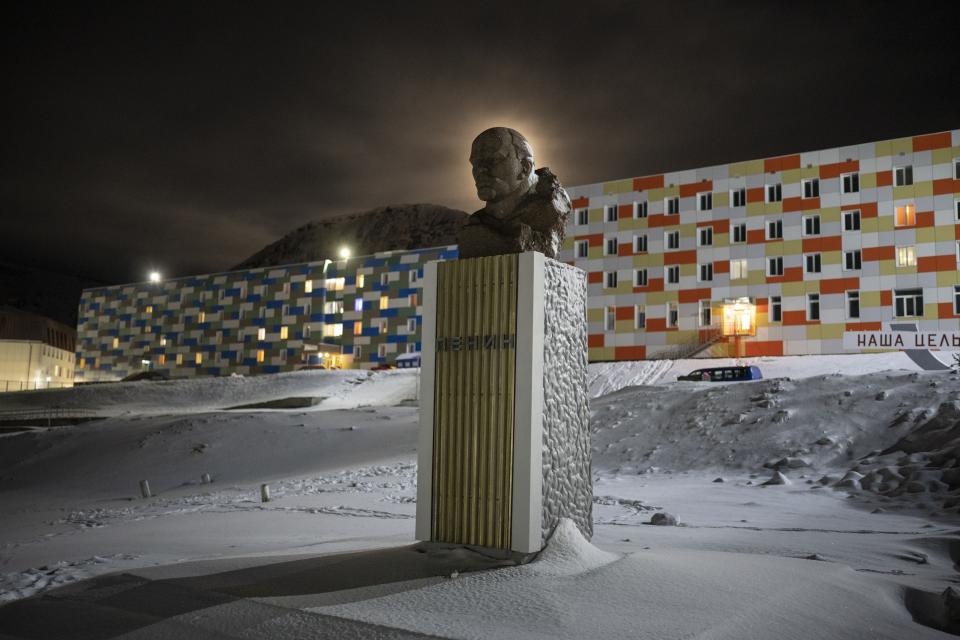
608,377
569,553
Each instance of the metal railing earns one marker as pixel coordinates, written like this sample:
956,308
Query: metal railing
21,385
46,415
704,339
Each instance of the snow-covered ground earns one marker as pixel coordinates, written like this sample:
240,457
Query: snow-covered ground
867,519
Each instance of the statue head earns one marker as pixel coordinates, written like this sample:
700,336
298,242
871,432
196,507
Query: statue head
502,161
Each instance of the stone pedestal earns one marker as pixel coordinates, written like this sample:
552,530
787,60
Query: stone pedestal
504,443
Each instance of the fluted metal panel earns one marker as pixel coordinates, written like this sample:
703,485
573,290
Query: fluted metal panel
473,417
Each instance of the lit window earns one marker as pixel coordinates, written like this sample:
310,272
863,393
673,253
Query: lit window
412,300
198,358
333,330
673,314
148,329
850,182
357,328
705,237
704,201
672,205
308,286
382,351
705,314
906,215
384,302
116,343
672,239
706,272
908,303
673,274
610,279
775,266
179,358
639,317
610,247
903,176
610,318
774,193
811,188
738,269
639,209
149,308
261,334
853,305
161,359
851,220
811,225
813,306
738,197
640,244
260,356
739,233
83,363
583,216
582,248
852,260
640,277
906,256
776,309
611,213
284,332
775,229
360,281
812,262
381,325
358,304
334,284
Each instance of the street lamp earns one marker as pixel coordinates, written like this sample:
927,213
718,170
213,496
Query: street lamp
344,252
154,276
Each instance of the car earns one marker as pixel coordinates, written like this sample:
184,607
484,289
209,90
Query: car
382,367
724,374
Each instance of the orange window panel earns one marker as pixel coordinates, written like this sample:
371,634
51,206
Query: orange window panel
624,211
595,239
624,313
721,266
937,263
653,284
931,141
839,285
694,295
884,178
781,163
833,170
756,236
946,186
693,188
886,298
625,249
595,340
656,324
680,257
794,318
879,253
661,220
755,194
630,353
945,310
648,182
828,243
764,348
595,277
925,219
580,203
863,326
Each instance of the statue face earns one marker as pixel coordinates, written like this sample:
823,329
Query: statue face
496,170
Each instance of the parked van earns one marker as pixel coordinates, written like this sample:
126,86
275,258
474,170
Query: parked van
724,374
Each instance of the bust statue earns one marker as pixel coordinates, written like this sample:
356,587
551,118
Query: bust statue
526,209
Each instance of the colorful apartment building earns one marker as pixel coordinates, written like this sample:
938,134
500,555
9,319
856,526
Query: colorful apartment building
819,243
815,244
355,312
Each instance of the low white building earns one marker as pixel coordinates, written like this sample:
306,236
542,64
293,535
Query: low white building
35,352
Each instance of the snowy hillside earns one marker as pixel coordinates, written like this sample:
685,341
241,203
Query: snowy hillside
866,447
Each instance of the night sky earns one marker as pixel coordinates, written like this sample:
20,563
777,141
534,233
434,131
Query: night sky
186,136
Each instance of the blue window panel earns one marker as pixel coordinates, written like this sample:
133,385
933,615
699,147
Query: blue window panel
380,287
232,292
271,368
81,321
253,297
217,308
297,311
375,262
329,341
210,348
274,304
291,352
316,317
169,313
318,293
188,320
263,344
259,322
126,317
111,312
106,367
249,276
370,331
213,371
396,339
190,342
402,267
407,292
389,313
171,336
204,325
417,346
114,332
269,280
235,315
348,349
448,255
349,280
330,318
250,362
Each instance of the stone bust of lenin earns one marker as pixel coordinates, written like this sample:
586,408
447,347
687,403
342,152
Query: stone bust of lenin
526,209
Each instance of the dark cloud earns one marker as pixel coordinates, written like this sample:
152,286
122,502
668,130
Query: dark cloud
188,135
